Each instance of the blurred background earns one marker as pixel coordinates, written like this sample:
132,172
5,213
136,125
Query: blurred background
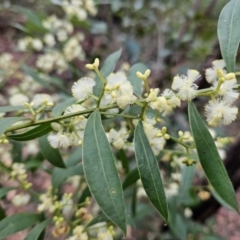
44,46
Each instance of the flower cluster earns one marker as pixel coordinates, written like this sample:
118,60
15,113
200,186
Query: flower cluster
118,90
219,110
164,103
79,8
19,173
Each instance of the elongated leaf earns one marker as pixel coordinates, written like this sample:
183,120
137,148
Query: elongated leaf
17,150
51,154
219,199
106,69
59,174
5,190
210,159
135,81
33,164
228,32
186,183
9,121
16,223
19,26
59,108
100,218
31,16
75,157
85,193
2,213
33,133
122,156
131,178
31,72
57,82
101,172
37,230
11,108
176,221
149,171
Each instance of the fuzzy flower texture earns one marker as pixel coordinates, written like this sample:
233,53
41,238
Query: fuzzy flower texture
219,110
118,90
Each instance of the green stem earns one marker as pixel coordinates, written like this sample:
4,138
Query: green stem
56,119
120,115
143,111
101,76
205,92
131,127
181,143
146,86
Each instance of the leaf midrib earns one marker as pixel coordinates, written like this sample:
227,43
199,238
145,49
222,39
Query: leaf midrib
101,161
150,169
210,150
230,30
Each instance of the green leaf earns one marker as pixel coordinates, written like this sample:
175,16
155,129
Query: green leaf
9,121
57,82
149,171
31,72
59,174
19,26
51,154
37,230
228,32
33,164
11,108
101,172
75,157
32,17
59,108
135,81
16,223
176,221
106,69
186,183
130,178
210,159
85,193
5,190
122,156
178,227
33,133
17,150
100,218
219,199
2,213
